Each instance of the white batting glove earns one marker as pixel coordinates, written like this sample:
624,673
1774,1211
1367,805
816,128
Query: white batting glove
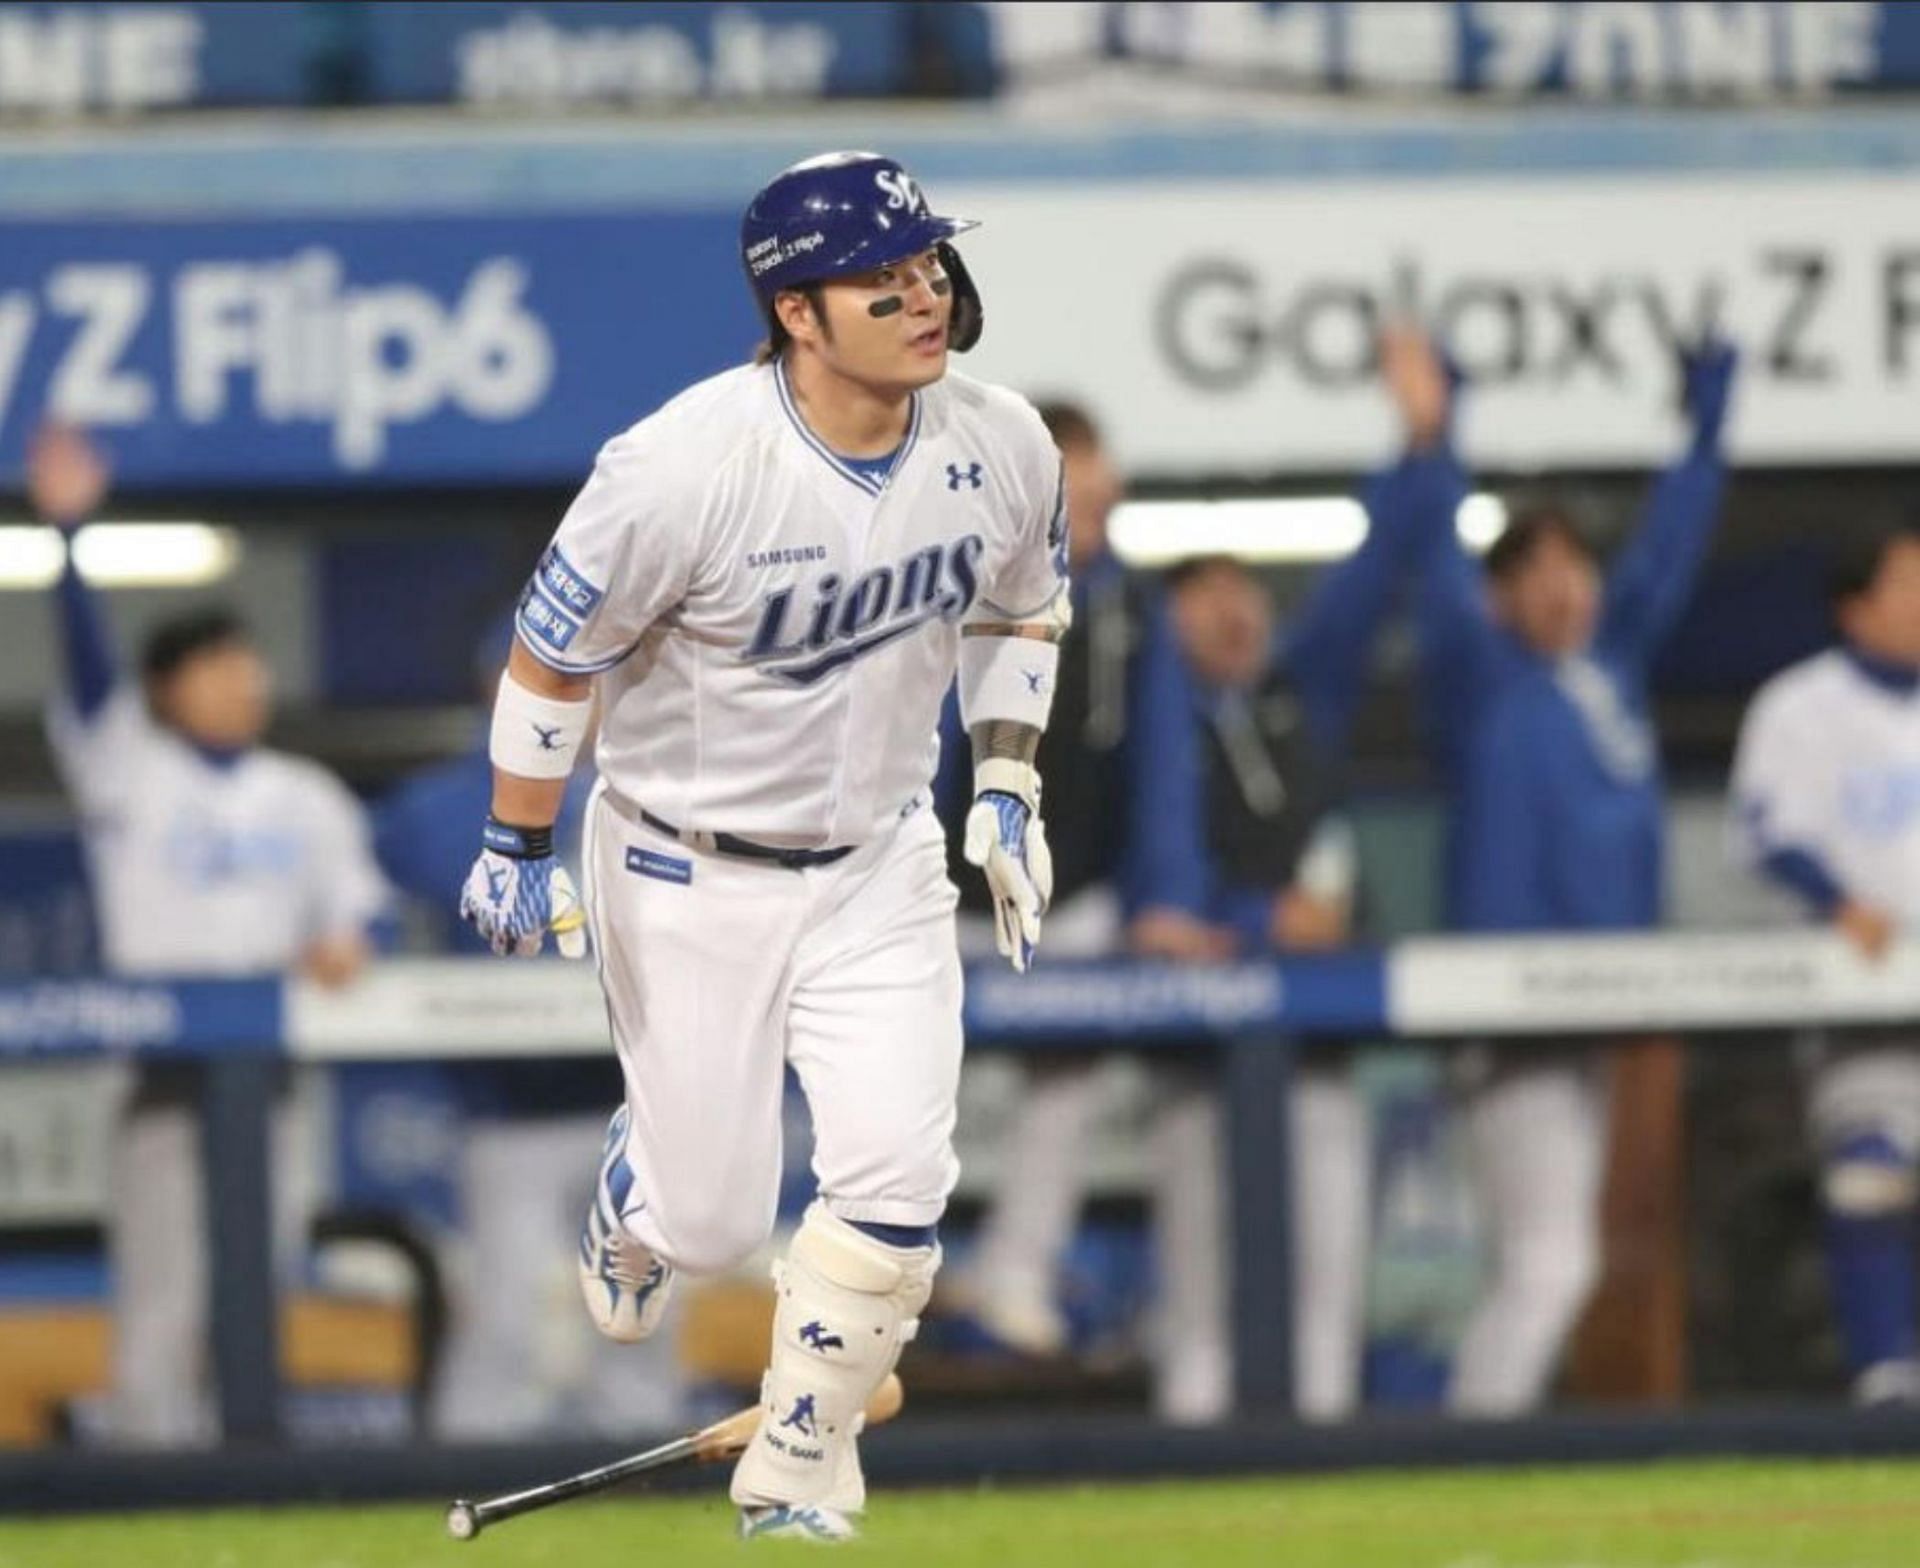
517,892
1007,840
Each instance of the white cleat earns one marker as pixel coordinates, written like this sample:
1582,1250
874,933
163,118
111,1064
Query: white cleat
624,1285
1889,1385
795,1522
1031,1326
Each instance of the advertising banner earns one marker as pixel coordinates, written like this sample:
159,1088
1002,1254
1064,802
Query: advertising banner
440,350
1223,327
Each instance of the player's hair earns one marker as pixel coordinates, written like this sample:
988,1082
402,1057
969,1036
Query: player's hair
1859,556
1189,567
1527,530
776,342
175,641
1067,422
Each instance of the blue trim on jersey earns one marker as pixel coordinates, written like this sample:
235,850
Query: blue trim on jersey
833,459
1057,529
561,666
878,469
91,668
222,759
1803,873
1902,680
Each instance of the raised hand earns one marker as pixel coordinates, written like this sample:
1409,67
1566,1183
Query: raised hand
67,477
1706,385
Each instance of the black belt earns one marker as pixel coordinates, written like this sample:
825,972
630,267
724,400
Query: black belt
727,844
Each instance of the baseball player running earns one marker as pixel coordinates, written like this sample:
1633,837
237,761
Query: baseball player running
1826,788
771,582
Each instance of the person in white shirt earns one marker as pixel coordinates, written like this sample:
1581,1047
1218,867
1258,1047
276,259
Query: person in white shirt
209,855
1826,794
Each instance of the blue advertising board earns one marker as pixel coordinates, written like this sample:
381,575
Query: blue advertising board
421,350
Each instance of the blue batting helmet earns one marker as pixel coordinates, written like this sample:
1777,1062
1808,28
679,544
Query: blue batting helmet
848,212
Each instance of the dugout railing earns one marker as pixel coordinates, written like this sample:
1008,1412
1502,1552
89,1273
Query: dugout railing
240,1033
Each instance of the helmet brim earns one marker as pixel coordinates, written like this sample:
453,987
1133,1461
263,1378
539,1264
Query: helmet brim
921,233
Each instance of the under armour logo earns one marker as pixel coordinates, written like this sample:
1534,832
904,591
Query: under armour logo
1036,681
970,476
549,738
800,1418
815,1337
496,883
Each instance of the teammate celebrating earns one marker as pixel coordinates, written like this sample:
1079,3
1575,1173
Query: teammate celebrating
772,581
209,854
1826,785
1538,671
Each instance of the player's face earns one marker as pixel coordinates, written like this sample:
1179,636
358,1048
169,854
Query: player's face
1885,620
1552,600
1224,620
219,696
1094,488
888,328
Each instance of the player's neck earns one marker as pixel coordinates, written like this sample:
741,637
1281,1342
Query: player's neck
852,417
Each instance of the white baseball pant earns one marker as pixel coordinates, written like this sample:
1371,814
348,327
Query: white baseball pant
720,971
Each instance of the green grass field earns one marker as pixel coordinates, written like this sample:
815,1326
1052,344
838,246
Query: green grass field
1833,1515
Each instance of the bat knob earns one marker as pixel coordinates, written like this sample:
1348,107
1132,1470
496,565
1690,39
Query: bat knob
463,1521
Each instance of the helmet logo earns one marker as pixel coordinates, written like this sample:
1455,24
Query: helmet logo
901,190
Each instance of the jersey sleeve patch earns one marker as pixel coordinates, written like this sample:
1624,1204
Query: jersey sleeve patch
543,620
565,586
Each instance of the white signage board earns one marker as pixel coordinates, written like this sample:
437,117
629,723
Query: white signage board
1217,327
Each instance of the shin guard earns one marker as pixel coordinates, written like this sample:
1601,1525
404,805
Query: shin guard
846,1307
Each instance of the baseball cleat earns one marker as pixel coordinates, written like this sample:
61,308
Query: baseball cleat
624,1285
795,1522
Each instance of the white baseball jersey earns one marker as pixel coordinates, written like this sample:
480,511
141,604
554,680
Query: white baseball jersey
774,630
1829,764
201,868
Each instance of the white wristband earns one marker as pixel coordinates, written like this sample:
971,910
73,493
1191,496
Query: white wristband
536,737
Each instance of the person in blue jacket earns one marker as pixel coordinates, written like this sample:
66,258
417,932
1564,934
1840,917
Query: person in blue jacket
1124,754
1536,667
1237,848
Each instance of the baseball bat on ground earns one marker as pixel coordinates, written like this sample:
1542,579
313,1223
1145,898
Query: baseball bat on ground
722,1440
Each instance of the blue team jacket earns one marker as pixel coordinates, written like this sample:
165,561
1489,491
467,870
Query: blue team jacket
1323,652
1555,802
